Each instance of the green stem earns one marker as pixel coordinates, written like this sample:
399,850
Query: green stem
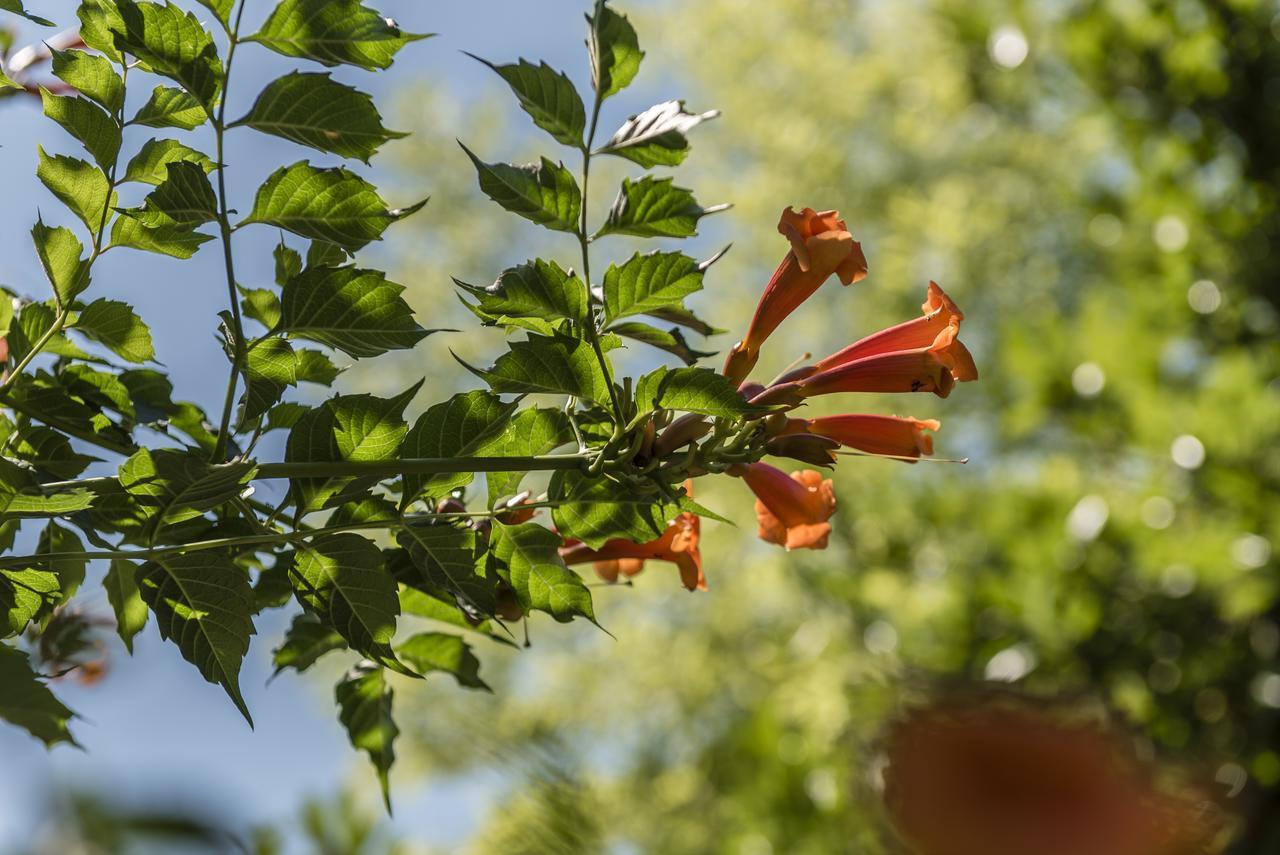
53,330
224,228
263,539
589,328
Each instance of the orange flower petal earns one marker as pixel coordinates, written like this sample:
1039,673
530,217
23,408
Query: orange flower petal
894,436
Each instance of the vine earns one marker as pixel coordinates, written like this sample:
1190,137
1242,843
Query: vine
173,510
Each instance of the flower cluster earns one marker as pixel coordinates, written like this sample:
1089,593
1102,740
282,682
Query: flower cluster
923,354
920,355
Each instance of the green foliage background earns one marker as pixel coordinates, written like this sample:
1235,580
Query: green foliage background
1042,198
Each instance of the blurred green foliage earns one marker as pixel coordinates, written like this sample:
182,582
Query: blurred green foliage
1095,184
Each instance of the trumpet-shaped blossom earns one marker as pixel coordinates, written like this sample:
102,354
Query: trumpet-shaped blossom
792,510
678,545
936,368
940,313
890,436
1006,776
820,246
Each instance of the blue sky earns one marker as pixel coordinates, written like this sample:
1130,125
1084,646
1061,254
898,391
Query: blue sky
153,729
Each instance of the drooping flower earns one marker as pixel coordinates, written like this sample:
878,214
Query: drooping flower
820,246
891,436
678,545
792,510
1005,775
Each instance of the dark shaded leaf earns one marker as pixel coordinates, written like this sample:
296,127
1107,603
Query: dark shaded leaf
548,96
538,430
203,602
672,341
26,702
306,640
315,110
364,708
360,312
543,192
702,390
596,510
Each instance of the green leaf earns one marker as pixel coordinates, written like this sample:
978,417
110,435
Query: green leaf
596,510
451,559
538,430
359,312
364,708
321,253
325,204
439,651
48,451
348,427
288,262
672,341
170,108
121,583
615,52
99,20
681,316
115,325
269,368
647,283
183,200
453,428
341,579
539,289
538,574
546,95
173,44
79,185
150,164
7,83
26,702
88,123
90,75
221,8
557,365
315,367
59,251
175,485
701,390
203,602
24,595
304,643
656,137
333,32
260,305
165,240
654,207
315,110
15,6
544,192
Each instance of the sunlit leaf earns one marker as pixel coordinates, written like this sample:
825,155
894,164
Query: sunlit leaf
150,164
332,205
88,123
457,427
79,185
538,288
333,32
90,75
360,312
439,651
615,51
538,574
115,325
170,108
121,584
654,207
658,136
548,96
172,43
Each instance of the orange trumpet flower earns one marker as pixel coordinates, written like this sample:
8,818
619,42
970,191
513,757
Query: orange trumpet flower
891,436
820,246
792,510
678,544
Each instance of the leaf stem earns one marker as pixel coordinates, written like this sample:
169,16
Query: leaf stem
224,228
